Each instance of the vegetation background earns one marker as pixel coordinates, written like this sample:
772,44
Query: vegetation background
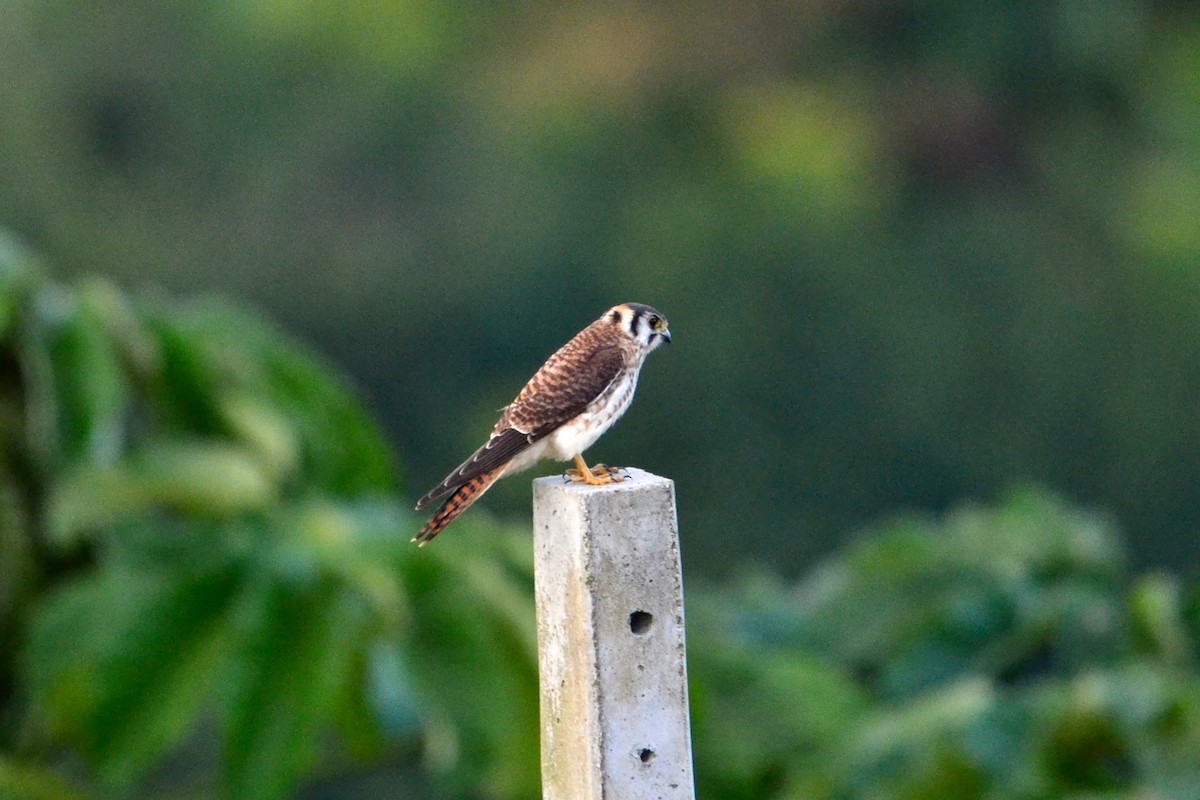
919,256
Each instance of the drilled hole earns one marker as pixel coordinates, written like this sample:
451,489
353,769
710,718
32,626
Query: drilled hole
639,621
646,755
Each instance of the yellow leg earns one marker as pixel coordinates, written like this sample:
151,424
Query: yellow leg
598,475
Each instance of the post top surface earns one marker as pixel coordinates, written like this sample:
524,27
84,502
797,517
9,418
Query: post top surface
634,479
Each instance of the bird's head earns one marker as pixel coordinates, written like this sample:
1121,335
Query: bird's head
645,325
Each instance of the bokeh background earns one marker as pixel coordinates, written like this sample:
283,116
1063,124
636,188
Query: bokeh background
914,253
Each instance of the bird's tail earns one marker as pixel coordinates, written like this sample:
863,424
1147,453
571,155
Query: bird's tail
456,504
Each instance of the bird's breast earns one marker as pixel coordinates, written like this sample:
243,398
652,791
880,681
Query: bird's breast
582,432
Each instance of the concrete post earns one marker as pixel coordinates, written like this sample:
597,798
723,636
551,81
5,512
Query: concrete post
614,704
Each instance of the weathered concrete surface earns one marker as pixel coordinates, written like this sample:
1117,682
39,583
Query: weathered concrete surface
614,705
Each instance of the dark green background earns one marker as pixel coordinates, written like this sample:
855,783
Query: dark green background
912,252
933,274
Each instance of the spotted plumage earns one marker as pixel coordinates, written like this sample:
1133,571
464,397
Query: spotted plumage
567,405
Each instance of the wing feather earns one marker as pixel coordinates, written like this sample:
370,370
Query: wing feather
569,382
499,450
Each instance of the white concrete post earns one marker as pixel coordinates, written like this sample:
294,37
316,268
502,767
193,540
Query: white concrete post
614,704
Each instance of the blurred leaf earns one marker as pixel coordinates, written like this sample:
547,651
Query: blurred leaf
473,654
17,563
1162,200
265,432
817,147
937,714
761,715
295,649
19,781
19,273
391,691
395,36
122,660
137,348
75,387
207,478
1157,615
227,371
193,375
355,542
1004,591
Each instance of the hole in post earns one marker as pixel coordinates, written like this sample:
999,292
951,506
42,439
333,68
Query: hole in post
646,755
639,621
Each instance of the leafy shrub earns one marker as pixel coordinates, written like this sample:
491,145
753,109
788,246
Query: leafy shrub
997,654
200,542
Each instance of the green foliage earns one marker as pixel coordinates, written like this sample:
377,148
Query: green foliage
480,670
204,564
996,654
201,540
23,782
224,371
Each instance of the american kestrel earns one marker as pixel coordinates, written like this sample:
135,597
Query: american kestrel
567,405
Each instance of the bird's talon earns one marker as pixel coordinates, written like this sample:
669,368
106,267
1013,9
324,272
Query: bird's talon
599,475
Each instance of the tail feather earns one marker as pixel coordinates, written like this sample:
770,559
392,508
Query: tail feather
455,504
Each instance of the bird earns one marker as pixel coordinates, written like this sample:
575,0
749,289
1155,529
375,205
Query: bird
581,390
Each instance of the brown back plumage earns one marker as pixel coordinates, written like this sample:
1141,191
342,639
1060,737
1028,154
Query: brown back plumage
569,380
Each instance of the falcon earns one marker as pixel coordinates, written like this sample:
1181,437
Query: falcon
567,405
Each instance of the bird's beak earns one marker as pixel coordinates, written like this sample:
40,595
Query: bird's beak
666,336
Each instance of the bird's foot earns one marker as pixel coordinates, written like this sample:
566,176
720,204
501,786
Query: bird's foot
599,475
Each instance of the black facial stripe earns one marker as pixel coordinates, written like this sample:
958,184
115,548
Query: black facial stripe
639,319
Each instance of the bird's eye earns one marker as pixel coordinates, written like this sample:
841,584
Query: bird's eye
655,323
